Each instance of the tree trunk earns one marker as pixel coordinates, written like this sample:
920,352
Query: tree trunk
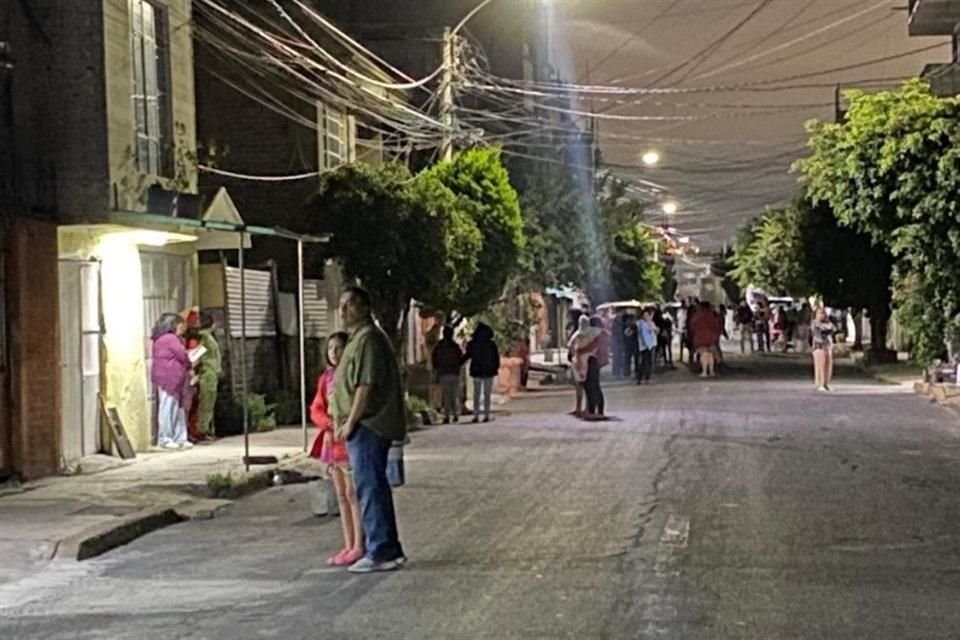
858,330
878,338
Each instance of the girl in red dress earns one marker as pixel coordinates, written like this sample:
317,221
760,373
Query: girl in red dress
332,451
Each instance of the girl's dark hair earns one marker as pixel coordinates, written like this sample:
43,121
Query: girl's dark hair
167,323
339,336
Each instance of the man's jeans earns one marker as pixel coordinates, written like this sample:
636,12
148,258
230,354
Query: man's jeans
368,461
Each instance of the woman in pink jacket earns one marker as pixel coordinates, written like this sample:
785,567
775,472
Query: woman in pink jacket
170,373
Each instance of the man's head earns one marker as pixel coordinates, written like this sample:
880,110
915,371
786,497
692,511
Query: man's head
207,321
356,306
447,332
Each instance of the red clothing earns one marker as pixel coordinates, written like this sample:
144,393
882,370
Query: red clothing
706,329
326,446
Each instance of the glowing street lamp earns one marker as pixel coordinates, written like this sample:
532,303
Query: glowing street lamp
670,207
650,158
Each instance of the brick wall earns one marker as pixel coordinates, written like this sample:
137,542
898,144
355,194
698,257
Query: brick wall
34,347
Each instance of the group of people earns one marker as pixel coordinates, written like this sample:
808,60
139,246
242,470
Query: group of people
641,341
185,369
763,325
359,412
447,360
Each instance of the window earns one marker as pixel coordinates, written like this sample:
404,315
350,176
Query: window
151,86
336,137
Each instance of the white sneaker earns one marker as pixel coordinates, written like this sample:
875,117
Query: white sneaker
170,445
366,565
186,444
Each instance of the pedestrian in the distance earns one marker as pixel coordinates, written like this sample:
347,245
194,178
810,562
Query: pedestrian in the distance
617,342
369,414
706,337
822,330
447,362
208,370
647,343
598,358
484,360
631,342
331,450
744,320
170,372
581,348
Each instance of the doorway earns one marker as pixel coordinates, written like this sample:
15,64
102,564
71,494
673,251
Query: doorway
80,343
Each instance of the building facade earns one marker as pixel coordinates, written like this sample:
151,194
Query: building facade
939,18
98,114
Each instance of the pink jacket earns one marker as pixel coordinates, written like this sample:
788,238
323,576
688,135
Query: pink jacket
170,368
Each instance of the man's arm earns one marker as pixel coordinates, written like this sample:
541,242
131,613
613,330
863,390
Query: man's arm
360,401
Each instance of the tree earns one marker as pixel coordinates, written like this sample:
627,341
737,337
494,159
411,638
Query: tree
768,253
846,268
398,236
480,182
892,171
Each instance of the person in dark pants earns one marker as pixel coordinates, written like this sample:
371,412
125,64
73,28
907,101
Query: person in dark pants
591,386
631,361
447,361
647,332
369,414
618,343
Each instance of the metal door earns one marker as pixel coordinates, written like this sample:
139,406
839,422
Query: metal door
80,340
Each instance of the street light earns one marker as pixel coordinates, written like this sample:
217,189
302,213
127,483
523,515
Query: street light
650,158
670,207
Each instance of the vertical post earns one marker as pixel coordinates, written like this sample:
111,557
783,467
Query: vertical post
302,338
446,95
243,353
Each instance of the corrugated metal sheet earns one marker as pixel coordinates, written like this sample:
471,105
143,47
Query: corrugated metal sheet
260,311
315,309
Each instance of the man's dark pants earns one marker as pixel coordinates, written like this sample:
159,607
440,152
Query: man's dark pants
368,462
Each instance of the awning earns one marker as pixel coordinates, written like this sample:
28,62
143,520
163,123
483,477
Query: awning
197,227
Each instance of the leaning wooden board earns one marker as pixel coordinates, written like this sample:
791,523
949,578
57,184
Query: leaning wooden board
117,432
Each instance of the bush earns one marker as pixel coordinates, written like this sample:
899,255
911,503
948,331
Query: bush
220,483
229,415
287,406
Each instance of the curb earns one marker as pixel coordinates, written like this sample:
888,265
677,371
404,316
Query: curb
104,537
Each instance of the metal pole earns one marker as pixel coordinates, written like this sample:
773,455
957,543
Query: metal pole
302,337
446,96
243,354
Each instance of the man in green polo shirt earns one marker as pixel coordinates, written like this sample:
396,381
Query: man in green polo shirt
368,408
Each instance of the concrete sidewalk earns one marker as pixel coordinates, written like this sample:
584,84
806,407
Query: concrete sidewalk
110,501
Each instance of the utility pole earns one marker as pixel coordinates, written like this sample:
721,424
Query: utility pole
446,94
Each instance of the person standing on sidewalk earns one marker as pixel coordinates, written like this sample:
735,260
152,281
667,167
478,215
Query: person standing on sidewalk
706,338
822,330
447,360
170,373
369,414
208,370
332,452
484,360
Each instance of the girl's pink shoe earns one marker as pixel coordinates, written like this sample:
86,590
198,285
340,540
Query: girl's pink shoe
352,555
337,560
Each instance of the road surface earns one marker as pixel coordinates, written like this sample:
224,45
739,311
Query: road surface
746,507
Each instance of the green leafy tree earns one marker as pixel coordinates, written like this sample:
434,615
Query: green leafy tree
480,182
891,169
390,235
768,253
846,268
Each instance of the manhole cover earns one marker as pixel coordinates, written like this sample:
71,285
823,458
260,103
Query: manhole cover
105,510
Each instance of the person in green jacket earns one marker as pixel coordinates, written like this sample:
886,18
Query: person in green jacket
208,370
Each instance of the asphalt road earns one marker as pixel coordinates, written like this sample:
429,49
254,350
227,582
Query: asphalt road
746,507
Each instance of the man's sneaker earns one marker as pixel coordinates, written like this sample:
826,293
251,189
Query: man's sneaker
170,445
367,565
186,444
402,560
